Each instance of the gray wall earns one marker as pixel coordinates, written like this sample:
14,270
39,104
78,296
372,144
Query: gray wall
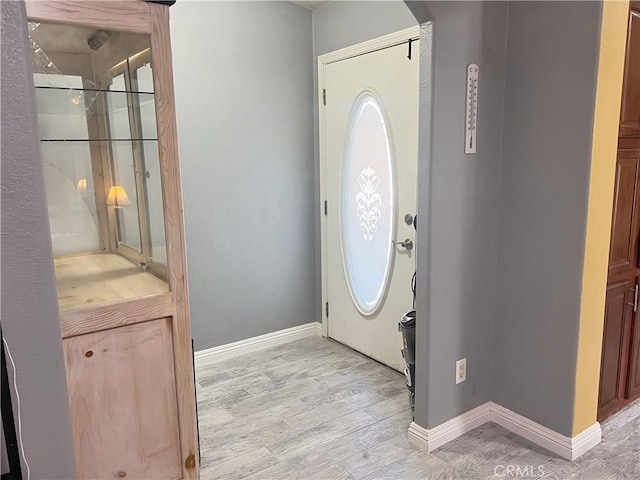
552,63
343,23
29,308
243,78
458,205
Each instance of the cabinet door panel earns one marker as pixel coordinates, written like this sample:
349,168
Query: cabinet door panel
620,362
633,383
617,320
630,112
122,394
623,251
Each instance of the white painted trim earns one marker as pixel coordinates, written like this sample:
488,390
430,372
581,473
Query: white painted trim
371,45
567,447
324,269
323,60
254,344
585,441
435,437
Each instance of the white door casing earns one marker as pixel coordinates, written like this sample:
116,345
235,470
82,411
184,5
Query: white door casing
368,164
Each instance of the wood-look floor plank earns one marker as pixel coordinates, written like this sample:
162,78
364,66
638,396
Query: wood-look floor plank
456,450
307,462
256,403
358,374
624,436
631,469
620,419
216,376
305,349
218,452
263,429
582,470
333,472
211,398
321,433
331,410
377,457
386,429
322,366
379,386
416,466
209,418
480,456
231,431
239,466
389,407
528,453
324,411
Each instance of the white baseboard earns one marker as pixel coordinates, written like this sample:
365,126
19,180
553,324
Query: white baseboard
567,447
254,344
435,437
585,441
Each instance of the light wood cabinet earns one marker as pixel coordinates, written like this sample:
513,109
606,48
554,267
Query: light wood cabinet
122,391
104,93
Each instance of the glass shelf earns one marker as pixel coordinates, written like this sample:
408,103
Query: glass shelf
98,140
77,89
64,114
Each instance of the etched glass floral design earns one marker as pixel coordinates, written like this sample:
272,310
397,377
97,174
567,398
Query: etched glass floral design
367,205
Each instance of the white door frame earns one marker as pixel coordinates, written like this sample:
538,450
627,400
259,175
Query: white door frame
386,41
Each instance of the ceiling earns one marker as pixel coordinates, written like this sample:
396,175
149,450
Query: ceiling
312,5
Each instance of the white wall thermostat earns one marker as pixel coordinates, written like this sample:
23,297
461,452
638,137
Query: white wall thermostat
471,116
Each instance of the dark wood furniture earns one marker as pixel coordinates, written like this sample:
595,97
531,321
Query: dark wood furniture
620,367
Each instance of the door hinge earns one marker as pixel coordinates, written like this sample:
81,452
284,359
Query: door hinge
325,208
326,309
324,96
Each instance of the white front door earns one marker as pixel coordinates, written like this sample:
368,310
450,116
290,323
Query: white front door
369,155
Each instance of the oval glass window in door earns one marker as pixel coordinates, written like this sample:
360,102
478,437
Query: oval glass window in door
367,205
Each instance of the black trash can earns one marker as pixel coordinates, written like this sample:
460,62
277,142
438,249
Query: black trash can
407,327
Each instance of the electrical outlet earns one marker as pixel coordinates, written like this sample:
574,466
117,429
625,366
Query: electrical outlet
461,370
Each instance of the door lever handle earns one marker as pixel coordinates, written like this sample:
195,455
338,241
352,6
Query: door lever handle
408,244
635,298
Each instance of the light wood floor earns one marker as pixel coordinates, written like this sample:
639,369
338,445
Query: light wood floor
313,409
101,278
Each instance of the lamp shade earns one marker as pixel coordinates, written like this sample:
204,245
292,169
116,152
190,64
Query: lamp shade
82,187
118,197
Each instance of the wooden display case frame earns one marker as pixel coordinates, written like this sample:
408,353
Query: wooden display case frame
153,19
